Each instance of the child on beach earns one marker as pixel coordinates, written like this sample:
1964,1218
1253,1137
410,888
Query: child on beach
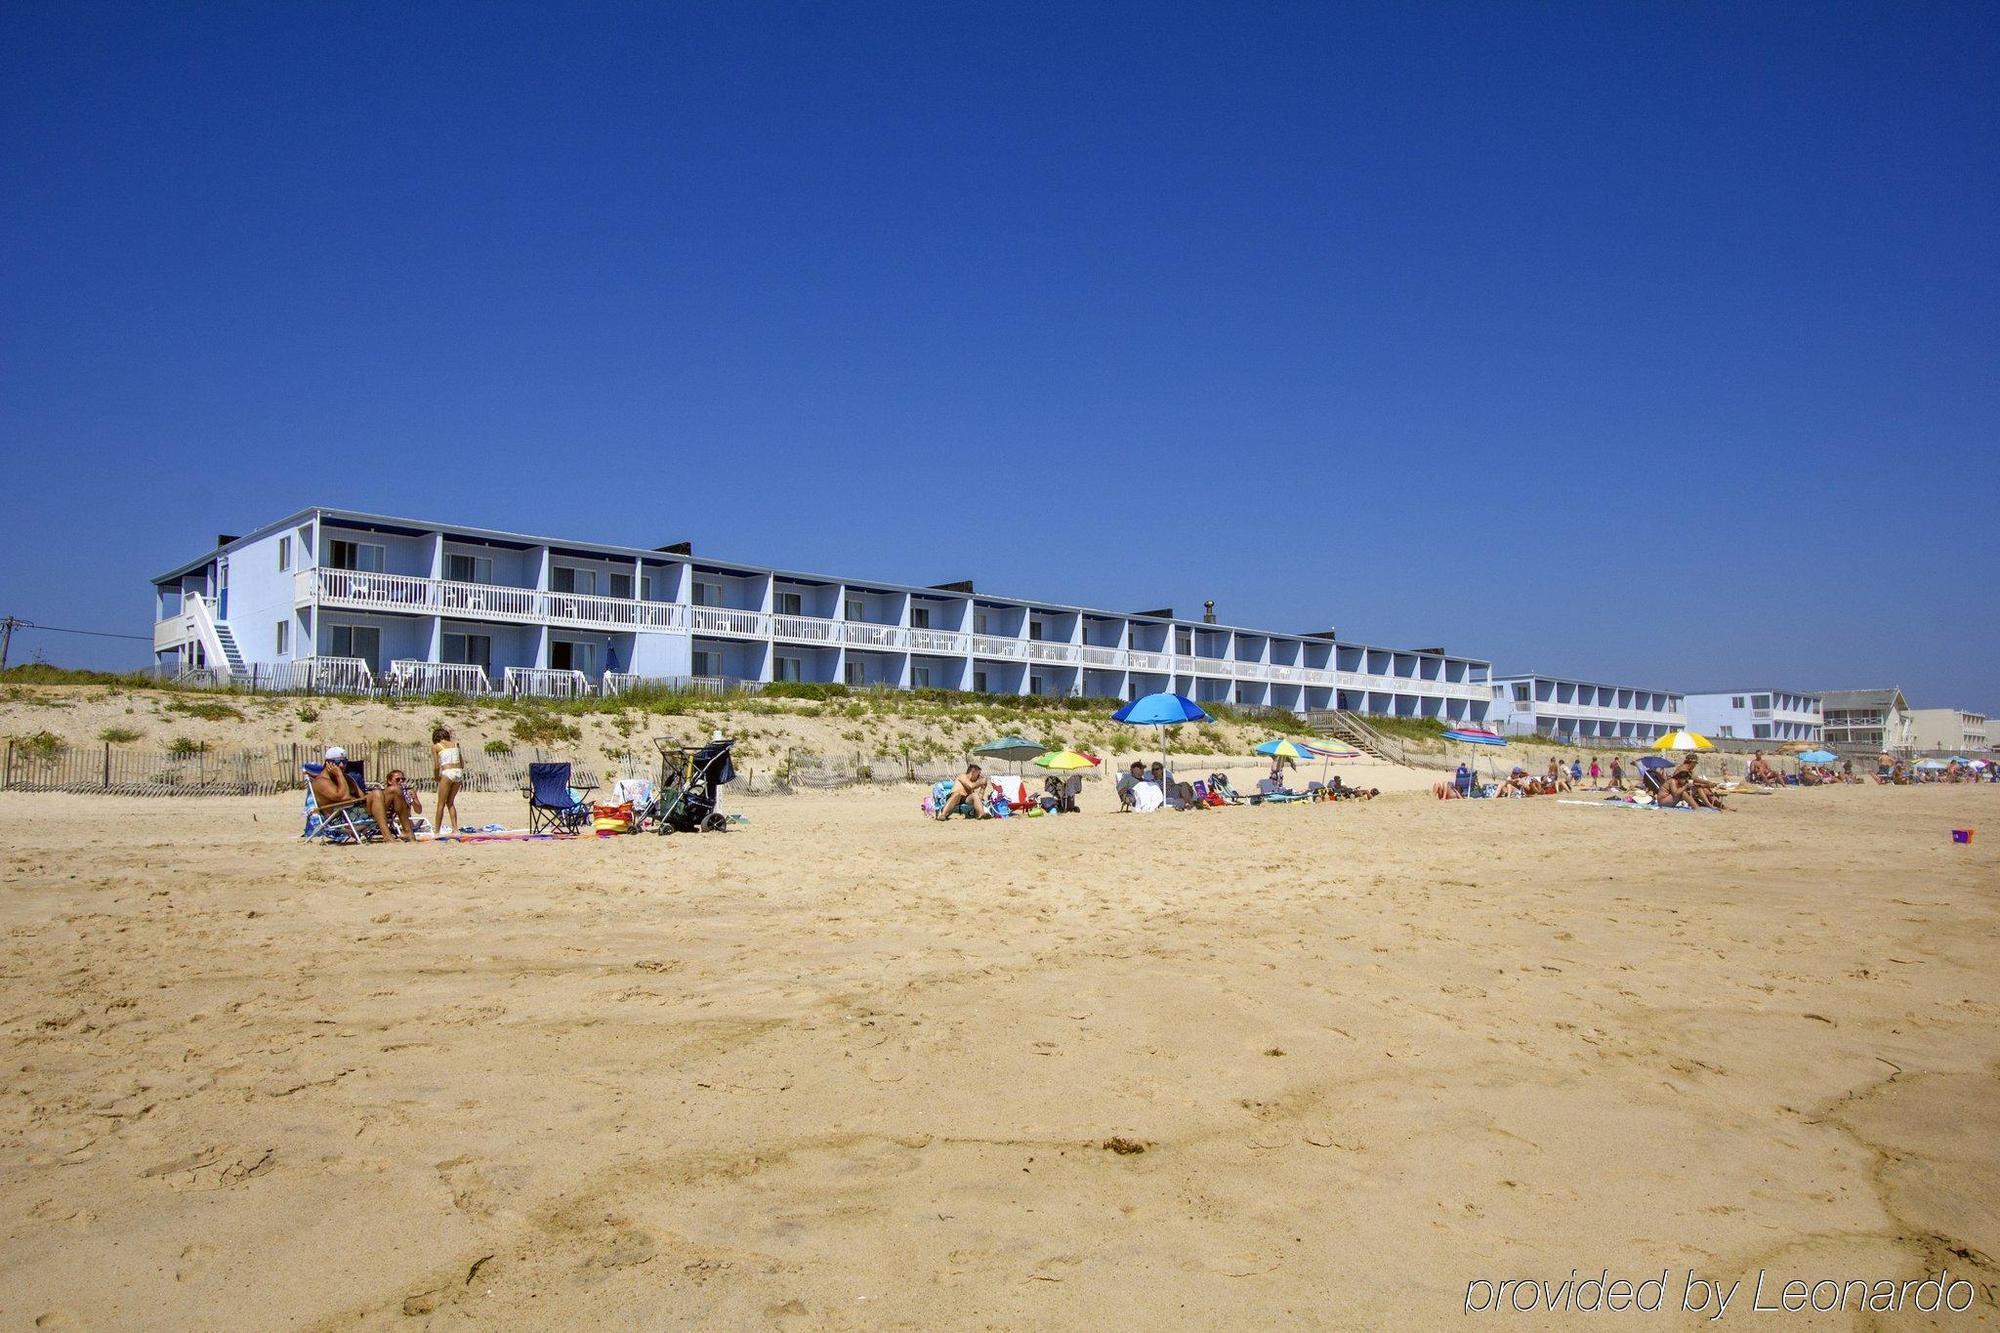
448,766
1594,774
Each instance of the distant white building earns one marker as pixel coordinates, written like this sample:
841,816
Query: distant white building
1567,709
1955,729
1762,714
1877,721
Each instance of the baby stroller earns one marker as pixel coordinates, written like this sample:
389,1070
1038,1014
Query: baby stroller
687,795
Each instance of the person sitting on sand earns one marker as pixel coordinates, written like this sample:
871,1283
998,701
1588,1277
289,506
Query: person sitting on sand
1555,780
968,793
1126,782
399,802
1683,786
332,787
1516,783
1179,795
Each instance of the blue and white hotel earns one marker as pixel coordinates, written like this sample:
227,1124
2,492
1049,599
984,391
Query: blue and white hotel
1573,710
352,601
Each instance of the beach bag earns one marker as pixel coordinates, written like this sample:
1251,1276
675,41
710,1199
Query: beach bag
612,818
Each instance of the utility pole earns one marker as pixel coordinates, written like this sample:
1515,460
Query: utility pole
7,627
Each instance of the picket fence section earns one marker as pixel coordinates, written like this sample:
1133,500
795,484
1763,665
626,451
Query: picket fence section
124,770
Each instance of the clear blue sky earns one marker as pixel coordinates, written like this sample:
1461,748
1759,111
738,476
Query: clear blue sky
1651,343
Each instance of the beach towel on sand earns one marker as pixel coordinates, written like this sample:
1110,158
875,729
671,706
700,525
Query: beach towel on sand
1147,796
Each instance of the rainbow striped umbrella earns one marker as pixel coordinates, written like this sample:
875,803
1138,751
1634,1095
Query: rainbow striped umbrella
1288,749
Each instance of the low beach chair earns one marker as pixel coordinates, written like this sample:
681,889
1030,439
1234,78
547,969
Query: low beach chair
553,805
348,821
1276,794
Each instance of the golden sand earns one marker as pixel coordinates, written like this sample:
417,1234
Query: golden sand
842,1067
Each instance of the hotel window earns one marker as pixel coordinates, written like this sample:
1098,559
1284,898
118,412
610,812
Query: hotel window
920,678
284,637
790,604
564,578
979,682
707,664
1184,642
568,655
619,586
979,621
364,557
1521,693
1035,685
470,650
462,568
790,668
1760,701
1035,631
920,617
856,609
853,674
284,556
1735,701
707,594
362,641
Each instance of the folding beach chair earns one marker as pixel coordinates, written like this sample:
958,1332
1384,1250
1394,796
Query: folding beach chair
553,806
349,821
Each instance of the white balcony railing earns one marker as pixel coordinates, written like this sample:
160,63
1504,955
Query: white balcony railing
940,641
731,622
545,683
478,601
336,675
862,634
365,591
805,629
411,676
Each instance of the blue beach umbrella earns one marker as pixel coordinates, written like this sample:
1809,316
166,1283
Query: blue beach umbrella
1160,710
1818,757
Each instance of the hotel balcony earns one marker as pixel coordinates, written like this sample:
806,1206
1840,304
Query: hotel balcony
358,590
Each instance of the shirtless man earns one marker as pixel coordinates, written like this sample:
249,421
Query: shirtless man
332,787
968,791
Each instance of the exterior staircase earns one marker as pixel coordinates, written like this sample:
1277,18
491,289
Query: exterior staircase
230,653
1352,729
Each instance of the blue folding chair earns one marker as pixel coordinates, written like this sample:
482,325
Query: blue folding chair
553,806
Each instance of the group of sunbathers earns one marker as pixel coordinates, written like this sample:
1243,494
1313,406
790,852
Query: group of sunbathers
393,807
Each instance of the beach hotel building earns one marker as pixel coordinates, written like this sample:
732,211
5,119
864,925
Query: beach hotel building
1581,710
1755,715
338,600
1874,721
1955,731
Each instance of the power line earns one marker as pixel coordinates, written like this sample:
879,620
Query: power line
11,623
59,629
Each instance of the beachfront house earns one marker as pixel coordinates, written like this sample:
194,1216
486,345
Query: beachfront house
1762,714
340,600
1869,721
1941,731
1581,711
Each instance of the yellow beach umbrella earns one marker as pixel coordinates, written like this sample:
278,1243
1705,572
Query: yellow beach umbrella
1066,761
1683,740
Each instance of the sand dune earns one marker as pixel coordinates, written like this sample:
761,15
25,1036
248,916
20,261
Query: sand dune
845,1068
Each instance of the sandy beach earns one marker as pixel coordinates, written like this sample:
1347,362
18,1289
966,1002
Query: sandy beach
845,1068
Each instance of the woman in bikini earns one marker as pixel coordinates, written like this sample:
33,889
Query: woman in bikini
449,767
